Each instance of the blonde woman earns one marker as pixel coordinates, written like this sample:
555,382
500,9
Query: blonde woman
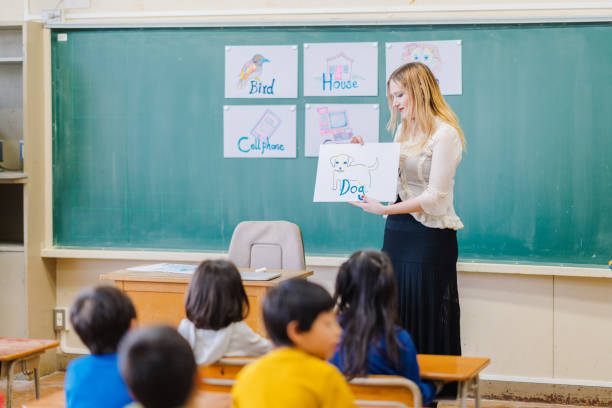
421,229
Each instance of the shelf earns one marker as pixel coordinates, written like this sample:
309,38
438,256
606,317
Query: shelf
18,177
11,246
11,60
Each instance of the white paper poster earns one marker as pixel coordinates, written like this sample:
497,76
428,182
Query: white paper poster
259,131
266,71
442,57
337,123
345,69
351,171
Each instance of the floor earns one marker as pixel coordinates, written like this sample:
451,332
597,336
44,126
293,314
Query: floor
23,391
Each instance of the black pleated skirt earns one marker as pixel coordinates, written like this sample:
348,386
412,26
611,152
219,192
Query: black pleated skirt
425,264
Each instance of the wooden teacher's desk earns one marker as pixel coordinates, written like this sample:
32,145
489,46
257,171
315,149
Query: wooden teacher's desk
159,297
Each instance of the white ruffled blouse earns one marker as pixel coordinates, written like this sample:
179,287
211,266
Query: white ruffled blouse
430,176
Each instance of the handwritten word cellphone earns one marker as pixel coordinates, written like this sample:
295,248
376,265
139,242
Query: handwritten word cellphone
348,172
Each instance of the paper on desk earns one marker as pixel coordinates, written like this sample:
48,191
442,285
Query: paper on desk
165,267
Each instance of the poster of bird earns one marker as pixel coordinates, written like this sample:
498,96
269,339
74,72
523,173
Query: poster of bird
266,71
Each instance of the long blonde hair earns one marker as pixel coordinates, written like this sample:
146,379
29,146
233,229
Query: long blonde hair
426,100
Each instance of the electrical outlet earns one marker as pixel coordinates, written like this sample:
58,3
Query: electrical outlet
59,318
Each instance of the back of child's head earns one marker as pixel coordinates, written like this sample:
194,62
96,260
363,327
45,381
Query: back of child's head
366,280
158,367
101,316
293,300
215,297
366,295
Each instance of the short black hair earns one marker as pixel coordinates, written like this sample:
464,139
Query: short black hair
101,315
158,366
293,300
215,296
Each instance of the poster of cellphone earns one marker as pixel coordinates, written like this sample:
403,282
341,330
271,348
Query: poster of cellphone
261,131
338,123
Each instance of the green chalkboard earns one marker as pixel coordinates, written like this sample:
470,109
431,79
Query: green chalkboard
138,145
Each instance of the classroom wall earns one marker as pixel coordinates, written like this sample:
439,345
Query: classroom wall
534,327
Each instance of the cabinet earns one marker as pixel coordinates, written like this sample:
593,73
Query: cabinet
13,294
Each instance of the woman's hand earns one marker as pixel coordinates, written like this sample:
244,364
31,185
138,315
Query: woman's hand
370,205
357,139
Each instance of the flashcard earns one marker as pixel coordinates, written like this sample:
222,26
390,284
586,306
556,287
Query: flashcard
261,71
259,131
338,123
442,57
341,69
348,172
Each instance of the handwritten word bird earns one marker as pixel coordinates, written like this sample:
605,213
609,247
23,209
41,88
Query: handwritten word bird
251,69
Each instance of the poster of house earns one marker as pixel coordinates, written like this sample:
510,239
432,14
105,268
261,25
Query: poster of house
442,57
350,172
259,131
261,71
341,69
338,123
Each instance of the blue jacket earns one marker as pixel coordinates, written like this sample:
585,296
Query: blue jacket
379,364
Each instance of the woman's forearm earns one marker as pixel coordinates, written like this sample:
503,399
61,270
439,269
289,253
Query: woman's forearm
409,206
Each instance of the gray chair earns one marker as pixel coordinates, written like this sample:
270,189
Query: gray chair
273,244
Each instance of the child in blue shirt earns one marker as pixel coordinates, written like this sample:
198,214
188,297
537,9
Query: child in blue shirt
100,316
372,343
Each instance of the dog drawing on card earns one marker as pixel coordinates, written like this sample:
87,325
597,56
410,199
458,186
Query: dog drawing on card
345,168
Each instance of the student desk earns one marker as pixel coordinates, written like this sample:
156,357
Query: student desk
464,370
24,353
221,375
160,297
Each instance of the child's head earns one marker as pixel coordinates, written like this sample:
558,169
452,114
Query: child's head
366,297
299,313
366,280
101,315
216,297
158,367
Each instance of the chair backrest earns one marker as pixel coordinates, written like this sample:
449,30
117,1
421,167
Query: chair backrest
273,244
220,376
387,390
373,390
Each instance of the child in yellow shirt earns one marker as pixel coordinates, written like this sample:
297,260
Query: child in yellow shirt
300,319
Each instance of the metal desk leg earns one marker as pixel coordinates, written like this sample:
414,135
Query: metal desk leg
462,388
477,391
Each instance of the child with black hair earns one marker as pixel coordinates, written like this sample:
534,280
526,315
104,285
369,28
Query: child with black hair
101,316
158,367
300,319
216,306
372,342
